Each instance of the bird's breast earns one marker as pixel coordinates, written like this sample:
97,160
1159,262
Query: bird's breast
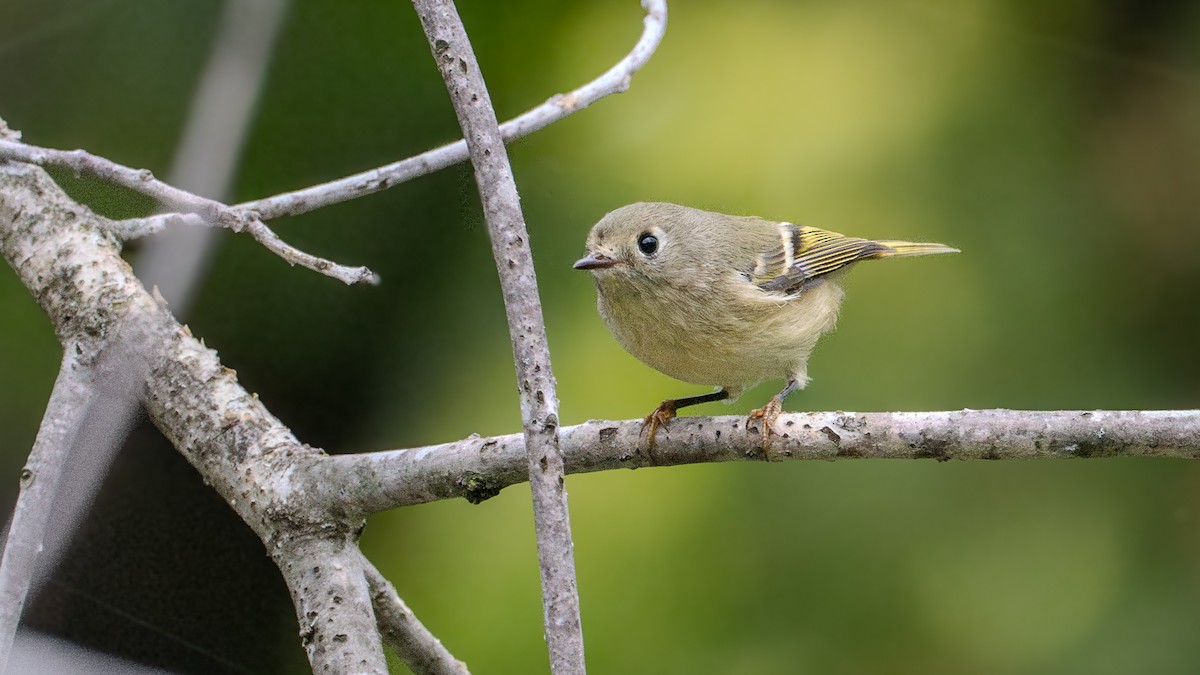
727,334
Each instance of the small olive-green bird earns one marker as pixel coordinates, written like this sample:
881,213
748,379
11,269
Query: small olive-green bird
722,300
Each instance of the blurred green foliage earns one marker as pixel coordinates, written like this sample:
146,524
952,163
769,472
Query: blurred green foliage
1058,145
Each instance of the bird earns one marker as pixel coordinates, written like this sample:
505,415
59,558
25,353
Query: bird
721,300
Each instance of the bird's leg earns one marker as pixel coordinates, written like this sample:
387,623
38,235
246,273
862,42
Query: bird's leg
666,410
770,412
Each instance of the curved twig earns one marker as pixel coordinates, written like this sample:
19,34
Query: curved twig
204,211
613,81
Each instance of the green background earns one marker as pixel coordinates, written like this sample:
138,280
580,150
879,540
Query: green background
1056,144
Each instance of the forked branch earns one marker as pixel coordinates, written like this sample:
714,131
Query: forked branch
69,259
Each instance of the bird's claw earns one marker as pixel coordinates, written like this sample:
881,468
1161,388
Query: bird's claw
659,418
768,414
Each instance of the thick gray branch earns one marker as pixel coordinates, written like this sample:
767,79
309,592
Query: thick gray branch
333,602
514,261
478,468
243,451
64,417
70,261
174,262
286,491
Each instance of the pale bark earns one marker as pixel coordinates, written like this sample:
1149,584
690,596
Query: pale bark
526,328
478,468
64,417
306,507
69,259
404,633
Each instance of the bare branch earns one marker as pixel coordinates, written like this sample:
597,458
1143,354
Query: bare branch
138,180
64,417
210,147
199,210
207,211
333,603
69,260
420,650
478,468
526,328
614,81
174,263
158,338
294,256
194,210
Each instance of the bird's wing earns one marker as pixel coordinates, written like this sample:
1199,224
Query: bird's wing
806,253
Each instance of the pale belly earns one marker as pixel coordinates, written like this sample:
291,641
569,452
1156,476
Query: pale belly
730,342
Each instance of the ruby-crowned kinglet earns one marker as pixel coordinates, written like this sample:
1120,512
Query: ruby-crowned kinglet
722,300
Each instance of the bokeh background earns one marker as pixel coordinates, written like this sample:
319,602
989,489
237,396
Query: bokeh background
1056,144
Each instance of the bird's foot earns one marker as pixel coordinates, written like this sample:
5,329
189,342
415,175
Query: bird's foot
659,418
768,414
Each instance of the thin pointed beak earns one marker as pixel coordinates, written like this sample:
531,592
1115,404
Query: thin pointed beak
595,261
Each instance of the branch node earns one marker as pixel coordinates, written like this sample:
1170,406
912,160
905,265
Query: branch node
478,488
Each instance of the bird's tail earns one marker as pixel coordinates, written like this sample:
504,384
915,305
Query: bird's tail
895,249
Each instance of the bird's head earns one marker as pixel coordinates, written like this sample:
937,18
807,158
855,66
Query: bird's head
646,240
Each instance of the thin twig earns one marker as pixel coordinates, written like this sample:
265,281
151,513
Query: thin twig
294,256
527,329
208,211
420,650
478,468
64,417
210,148
198,211
138,180
614,81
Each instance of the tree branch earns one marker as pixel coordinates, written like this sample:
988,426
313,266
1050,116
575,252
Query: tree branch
69,260
527,329
478,468
210,148
420,650
139,180
174,263
60,427
614,81
333,602
194,210
207,211
71,263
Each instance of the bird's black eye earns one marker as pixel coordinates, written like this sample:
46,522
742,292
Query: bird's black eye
647,244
